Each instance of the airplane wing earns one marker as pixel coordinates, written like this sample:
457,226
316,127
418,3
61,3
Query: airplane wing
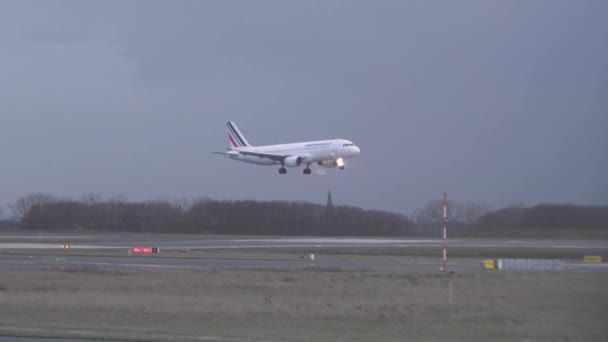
271,156
227,153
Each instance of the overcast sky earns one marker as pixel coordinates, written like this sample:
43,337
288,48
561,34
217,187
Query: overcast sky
502,102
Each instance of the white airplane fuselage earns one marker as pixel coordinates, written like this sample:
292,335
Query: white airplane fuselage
311,152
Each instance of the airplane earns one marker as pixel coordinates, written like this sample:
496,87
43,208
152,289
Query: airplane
327,153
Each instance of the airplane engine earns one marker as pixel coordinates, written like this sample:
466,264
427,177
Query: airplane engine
293,161
328,163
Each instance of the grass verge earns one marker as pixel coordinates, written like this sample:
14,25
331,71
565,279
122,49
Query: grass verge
302,305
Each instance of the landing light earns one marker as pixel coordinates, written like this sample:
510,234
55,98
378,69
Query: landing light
340,162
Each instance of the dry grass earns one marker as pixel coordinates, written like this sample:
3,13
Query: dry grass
302,305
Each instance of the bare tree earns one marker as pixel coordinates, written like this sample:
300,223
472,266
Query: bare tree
471,212
431,214
22,206
91,198
458,212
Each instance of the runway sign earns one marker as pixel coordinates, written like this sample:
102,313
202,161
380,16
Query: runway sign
141,250
145,250
489,264
529,264
592,258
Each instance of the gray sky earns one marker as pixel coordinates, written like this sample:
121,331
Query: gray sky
498,101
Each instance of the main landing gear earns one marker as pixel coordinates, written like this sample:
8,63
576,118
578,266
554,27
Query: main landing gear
307,170
282,170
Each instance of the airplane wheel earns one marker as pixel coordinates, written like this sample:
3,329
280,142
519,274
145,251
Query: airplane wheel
341,167
282,170
307,171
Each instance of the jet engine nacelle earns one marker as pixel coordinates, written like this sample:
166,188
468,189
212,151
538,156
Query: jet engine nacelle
328,163
293,161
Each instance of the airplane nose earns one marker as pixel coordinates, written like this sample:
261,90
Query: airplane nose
357,149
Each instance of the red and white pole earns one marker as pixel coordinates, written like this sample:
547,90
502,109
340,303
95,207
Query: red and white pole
445,231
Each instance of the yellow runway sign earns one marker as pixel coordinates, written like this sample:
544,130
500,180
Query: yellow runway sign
489,264
592,258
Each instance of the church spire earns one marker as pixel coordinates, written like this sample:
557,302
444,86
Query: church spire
330,203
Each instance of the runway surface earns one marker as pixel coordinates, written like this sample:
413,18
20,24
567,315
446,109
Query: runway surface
211,263
178,242
22,261
34,339
196,242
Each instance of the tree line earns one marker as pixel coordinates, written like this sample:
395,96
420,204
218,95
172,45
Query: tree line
547,216
40,211
204,216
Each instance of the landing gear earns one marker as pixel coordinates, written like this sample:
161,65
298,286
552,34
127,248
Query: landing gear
341,167
307,169
282,170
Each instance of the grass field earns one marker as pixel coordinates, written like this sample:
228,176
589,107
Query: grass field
303,305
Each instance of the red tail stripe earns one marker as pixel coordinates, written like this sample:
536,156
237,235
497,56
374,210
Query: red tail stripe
232,141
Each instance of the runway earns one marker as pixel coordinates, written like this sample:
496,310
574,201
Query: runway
42,339
213,263
21,261
24,243
198,242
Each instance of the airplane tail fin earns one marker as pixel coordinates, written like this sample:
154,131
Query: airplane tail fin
237,139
